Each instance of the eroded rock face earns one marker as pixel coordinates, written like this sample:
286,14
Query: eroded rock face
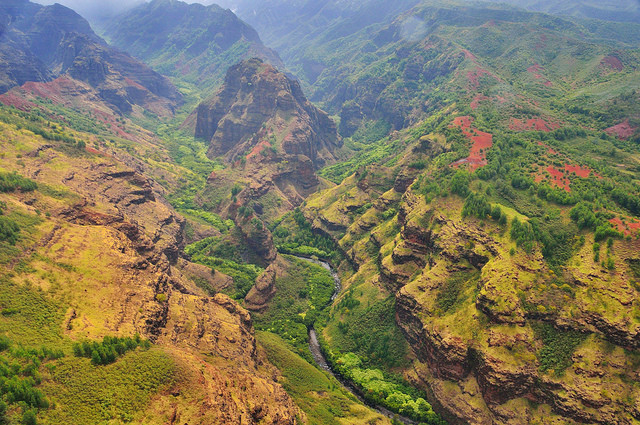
125,240
497,350
265,288
475,314
254,95
40,43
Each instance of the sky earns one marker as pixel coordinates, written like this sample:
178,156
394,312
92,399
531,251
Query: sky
96,9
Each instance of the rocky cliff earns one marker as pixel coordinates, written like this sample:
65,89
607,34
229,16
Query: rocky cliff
40,43
120,242
256,96
273,140
500,335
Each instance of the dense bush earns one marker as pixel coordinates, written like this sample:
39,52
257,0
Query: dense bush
10,182
9,230
381,390
295,235
108,351
558,347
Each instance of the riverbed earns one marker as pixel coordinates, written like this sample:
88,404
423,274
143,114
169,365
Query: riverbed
321,361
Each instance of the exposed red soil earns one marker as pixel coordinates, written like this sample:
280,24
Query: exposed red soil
470,56
550,150
561,178
474,77
480,140
258,148
11,99
558,178
612,62
536,70
476,101
130,82
96,152
537,124
542,43
624,130
54,90
578,170
628,227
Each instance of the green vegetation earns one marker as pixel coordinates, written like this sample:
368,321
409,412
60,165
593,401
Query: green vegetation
319,395
11,182
381,389
89,394
478,206
369,331
293,234
449,295
302,295
108,351
29,315
20,381
222,256
558,347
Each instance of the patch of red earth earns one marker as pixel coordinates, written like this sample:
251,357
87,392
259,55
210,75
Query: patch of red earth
627,227
470,56
612,62
578,170
558,178
463,122
53,90
474,77
537,124
258,148
542,43
95,151
536,70
476,101
550,150
11,99
623,131
480,140
561,178
130,82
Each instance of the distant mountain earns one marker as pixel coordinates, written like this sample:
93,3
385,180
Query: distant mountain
609,10
399,72
299,29
193,42
41,43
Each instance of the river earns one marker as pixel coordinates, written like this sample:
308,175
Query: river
321,361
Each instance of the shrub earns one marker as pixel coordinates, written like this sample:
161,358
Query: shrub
107,351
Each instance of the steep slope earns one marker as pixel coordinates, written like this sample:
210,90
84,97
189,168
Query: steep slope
500,229
191,42
392,72
42,43
273,141
98,246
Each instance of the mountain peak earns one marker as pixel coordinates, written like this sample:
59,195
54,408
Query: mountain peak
189,41
257,96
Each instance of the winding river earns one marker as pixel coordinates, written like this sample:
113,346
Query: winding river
321,361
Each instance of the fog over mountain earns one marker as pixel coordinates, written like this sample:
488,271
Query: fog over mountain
615,10
103,9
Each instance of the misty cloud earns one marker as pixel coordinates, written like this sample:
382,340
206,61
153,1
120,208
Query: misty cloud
101,9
